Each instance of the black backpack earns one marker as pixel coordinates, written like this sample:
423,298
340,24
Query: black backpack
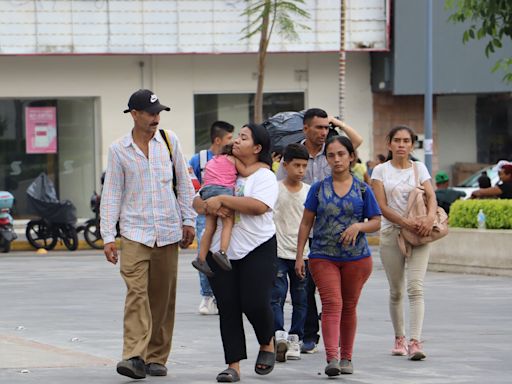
286,128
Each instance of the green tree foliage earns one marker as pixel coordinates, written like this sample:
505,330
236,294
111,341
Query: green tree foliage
491,19
265,16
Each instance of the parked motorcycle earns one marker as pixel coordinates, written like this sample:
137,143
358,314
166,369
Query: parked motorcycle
7,234
58,218
92,232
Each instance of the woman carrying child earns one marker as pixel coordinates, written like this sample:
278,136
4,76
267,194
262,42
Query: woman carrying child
246,289
220,179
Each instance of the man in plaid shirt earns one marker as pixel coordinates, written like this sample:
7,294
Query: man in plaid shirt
138,191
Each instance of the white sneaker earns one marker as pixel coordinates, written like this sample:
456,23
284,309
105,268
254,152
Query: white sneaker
208,306
281,345
293,352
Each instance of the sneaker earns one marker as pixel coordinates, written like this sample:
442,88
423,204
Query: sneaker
308,347
208,306
346,367
202,267
333,368
156,369
281,345
400,348
221,258
293,352
416,350
134,368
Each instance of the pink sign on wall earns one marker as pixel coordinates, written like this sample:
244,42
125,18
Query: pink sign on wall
41,129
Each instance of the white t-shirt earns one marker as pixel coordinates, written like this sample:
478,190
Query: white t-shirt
287,217
398,184
250,231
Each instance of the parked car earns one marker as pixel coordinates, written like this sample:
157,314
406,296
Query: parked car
471,183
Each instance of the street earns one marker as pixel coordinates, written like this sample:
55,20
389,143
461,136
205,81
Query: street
61,322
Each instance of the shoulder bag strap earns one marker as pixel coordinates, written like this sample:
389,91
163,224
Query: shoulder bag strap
416,175
410,202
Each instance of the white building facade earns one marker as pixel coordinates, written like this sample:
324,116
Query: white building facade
82,59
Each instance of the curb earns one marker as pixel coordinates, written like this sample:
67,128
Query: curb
24,246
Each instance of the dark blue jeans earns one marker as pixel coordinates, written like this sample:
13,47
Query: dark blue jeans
285,270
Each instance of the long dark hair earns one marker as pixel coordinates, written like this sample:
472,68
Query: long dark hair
394,131
343,140
261,137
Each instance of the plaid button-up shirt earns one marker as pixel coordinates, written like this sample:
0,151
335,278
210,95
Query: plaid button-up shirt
317,170
138,192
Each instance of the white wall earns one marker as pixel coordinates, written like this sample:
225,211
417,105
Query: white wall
456,130
176,78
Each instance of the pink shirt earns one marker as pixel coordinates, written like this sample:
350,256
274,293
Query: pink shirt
220,171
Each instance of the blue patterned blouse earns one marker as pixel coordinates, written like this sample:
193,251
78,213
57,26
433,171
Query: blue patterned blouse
335,213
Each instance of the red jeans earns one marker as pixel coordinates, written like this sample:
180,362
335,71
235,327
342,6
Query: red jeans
339,284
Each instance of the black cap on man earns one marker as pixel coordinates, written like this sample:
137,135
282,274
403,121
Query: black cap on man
145,100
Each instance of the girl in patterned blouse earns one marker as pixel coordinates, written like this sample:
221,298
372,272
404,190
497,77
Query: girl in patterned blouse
339,259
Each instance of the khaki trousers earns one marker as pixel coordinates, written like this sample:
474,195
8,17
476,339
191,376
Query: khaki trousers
394,263
150,276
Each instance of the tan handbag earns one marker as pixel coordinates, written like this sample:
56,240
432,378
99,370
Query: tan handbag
416,209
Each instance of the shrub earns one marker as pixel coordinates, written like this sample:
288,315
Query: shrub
498,213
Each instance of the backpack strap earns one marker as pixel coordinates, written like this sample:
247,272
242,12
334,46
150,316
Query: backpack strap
203,159
168,143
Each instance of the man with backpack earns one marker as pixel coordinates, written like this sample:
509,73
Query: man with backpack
316,130
147,187
221,134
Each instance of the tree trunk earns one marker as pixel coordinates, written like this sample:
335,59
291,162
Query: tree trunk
262,55
342,63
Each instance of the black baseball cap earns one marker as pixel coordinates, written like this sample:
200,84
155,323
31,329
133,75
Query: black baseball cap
145,100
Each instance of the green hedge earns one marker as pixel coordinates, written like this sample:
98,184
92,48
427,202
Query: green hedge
498,213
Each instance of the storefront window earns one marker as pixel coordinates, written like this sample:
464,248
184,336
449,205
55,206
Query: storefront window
60,143
494,128
237,109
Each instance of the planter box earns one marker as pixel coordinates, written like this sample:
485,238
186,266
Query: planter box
487,252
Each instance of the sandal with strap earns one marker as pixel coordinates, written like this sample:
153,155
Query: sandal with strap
267,359
229,375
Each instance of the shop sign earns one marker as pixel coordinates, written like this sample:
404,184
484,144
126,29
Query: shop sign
41,129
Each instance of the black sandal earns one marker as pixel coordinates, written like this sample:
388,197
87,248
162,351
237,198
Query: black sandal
229,375
267,359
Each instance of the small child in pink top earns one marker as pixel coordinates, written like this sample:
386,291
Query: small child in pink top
219,178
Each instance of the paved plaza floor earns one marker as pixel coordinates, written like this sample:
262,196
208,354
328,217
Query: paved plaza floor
61,322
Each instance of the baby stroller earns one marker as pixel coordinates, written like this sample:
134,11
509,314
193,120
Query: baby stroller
58,218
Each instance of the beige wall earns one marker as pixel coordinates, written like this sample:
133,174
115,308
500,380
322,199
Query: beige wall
176,78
